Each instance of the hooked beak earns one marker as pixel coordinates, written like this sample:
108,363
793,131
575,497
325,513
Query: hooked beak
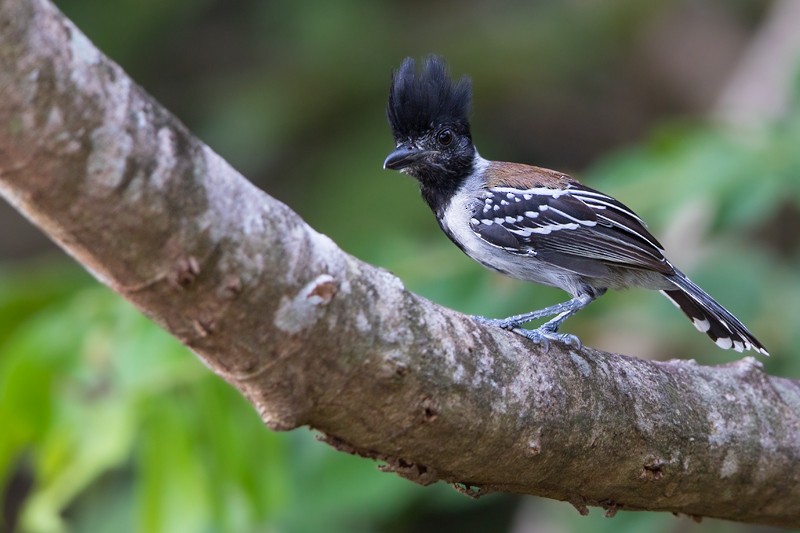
404,156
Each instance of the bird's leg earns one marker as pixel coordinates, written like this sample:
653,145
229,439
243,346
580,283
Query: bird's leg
576,305
561,312
549,330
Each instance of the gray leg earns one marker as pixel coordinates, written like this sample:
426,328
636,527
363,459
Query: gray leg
513,322
549,330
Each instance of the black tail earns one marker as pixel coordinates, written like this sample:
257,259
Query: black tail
710,317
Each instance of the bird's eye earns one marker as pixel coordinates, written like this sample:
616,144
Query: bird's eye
445,137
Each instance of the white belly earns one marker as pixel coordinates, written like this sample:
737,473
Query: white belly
456,224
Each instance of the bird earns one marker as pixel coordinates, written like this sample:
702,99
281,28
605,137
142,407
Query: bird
532,223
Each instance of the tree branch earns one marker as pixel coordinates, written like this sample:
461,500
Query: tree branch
312,336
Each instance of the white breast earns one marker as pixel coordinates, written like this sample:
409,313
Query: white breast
456,224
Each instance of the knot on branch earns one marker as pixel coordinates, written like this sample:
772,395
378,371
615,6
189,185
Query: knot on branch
653,469
305,308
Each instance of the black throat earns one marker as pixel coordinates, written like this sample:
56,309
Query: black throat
438,184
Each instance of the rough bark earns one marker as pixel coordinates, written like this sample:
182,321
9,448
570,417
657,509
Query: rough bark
312,336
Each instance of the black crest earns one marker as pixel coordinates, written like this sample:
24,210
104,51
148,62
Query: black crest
419,102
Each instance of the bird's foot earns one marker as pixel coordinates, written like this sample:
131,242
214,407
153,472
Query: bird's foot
544,335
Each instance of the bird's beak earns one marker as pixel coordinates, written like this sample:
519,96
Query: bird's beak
403,156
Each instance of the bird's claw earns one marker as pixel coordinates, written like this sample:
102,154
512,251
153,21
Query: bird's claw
544,335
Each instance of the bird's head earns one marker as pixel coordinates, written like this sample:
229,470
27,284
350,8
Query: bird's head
428,114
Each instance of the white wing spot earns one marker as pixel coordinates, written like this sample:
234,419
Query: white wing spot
544,230
701,325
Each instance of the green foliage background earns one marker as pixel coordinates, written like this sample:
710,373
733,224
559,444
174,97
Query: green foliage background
108,424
